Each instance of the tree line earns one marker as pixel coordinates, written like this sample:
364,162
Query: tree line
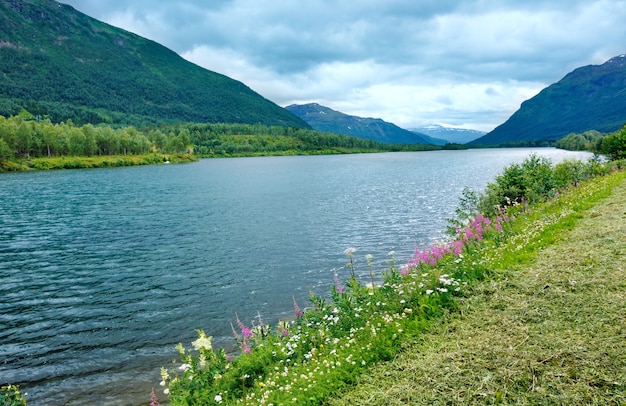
612,145
26,136
23,136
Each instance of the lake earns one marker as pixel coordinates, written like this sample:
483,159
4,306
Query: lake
104,271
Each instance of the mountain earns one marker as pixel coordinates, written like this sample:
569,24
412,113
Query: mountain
58,62
328,120
589,98
449,134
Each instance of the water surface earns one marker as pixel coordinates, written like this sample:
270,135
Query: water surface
104,271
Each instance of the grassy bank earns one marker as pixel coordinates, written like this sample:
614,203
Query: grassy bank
547,328
364,325
100,161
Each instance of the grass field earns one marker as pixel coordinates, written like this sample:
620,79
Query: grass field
548,329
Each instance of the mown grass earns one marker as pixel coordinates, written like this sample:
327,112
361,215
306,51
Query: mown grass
549,326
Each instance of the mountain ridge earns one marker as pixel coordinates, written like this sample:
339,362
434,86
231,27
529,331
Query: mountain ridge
591,97
449,134
325,119
60,63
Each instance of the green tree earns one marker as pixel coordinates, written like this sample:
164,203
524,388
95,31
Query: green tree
614,145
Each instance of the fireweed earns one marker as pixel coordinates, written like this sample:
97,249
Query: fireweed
361,324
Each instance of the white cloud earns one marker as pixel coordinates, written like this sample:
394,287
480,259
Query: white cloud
462,62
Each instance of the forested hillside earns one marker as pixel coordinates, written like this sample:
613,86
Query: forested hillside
58,63
325,119
589,98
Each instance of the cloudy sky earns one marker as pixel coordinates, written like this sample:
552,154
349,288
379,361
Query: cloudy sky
461,63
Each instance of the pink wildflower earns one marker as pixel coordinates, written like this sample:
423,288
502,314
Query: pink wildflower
458,247
154,401
246,332
296,308
338,285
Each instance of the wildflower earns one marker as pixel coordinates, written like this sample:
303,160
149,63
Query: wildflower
154,401
218,398
349,253
246,332
338,285
429,291
391,253
180,349
203,341
164,376
296,308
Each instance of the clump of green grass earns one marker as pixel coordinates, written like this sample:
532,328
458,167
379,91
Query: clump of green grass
547,328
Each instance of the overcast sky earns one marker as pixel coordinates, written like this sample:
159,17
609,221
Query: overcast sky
461,63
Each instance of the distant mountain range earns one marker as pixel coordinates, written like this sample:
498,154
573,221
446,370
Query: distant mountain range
589,98
325,119
449,134
60,63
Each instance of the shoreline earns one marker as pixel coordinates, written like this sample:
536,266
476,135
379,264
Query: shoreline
99,161
545,330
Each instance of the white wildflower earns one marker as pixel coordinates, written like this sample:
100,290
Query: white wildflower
203,341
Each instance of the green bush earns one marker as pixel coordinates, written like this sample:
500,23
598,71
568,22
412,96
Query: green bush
10,395
614,145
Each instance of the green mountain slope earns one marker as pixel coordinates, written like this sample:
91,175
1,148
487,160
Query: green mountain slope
589,98
324,119
58,62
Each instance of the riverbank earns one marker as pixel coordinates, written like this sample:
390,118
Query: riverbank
100,161
547,329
